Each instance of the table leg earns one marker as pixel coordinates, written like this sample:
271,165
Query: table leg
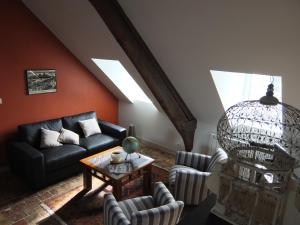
147,180
117,190
87,179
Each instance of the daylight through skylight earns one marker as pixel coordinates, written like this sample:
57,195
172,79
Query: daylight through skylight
237,87
116,72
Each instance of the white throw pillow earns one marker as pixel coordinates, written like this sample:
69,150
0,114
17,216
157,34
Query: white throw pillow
49,138
68,137
90,127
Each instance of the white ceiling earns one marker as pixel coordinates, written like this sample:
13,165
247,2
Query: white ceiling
188,39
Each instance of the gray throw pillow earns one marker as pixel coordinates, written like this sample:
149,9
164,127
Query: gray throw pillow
89,127
68,137
49,138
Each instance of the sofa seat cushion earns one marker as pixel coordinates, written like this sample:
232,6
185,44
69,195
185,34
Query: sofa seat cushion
62,156
98,142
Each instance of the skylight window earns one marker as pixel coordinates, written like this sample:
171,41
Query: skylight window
116,72
237,87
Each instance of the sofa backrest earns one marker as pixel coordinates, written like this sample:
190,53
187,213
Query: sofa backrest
31,133
71,122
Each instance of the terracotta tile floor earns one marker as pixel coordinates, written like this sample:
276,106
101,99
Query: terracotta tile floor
20,206
162,159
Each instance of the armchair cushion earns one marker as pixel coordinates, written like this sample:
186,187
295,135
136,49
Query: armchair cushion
98,142
130,206
62,156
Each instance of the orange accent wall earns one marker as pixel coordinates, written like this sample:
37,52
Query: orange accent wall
25,43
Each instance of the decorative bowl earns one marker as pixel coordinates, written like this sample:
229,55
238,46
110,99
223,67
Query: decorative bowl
116,157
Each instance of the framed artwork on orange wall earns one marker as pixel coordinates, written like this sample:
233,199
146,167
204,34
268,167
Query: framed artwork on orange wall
41,81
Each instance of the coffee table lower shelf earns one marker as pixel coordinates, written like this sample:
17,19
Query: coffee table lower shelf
118,184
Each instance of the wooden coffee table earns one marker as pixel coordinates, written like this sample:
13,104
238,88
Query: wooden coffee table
96,165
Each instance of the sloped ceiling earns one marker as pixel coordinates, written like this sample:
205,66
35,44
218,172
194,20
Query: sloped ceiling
81,30
157,81
188,39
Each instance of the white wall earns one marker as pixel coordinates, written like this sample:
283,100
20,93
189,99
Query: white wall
150,124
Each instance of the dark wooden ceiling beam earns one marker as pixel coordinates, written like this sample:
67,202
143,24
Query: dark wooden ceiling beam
146,64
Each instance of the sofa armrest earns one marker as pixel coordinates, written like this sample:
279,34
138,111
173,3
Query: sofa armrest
190,186
194,160
27,161
112,130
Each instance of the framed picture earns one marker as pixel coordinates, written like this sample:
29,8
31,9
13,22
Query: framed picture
41,81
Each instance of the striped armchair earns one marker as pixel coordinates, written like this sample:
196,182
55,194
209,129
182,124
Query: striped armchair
147,210
187,178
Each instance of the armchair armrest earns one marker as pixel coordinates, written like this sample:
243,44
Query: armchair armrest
194,160
27,161
162,195
112,129
165,214
190,186
113,214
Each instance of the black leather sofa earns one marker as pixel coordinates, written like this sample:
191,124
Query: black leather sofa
40,168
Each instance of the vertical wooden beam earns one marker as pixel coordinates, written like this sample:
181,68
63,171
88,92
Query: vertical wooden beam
144,61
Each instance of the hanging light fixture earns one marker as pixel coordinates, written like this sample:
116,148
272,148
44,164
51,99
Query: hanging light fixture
265,123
